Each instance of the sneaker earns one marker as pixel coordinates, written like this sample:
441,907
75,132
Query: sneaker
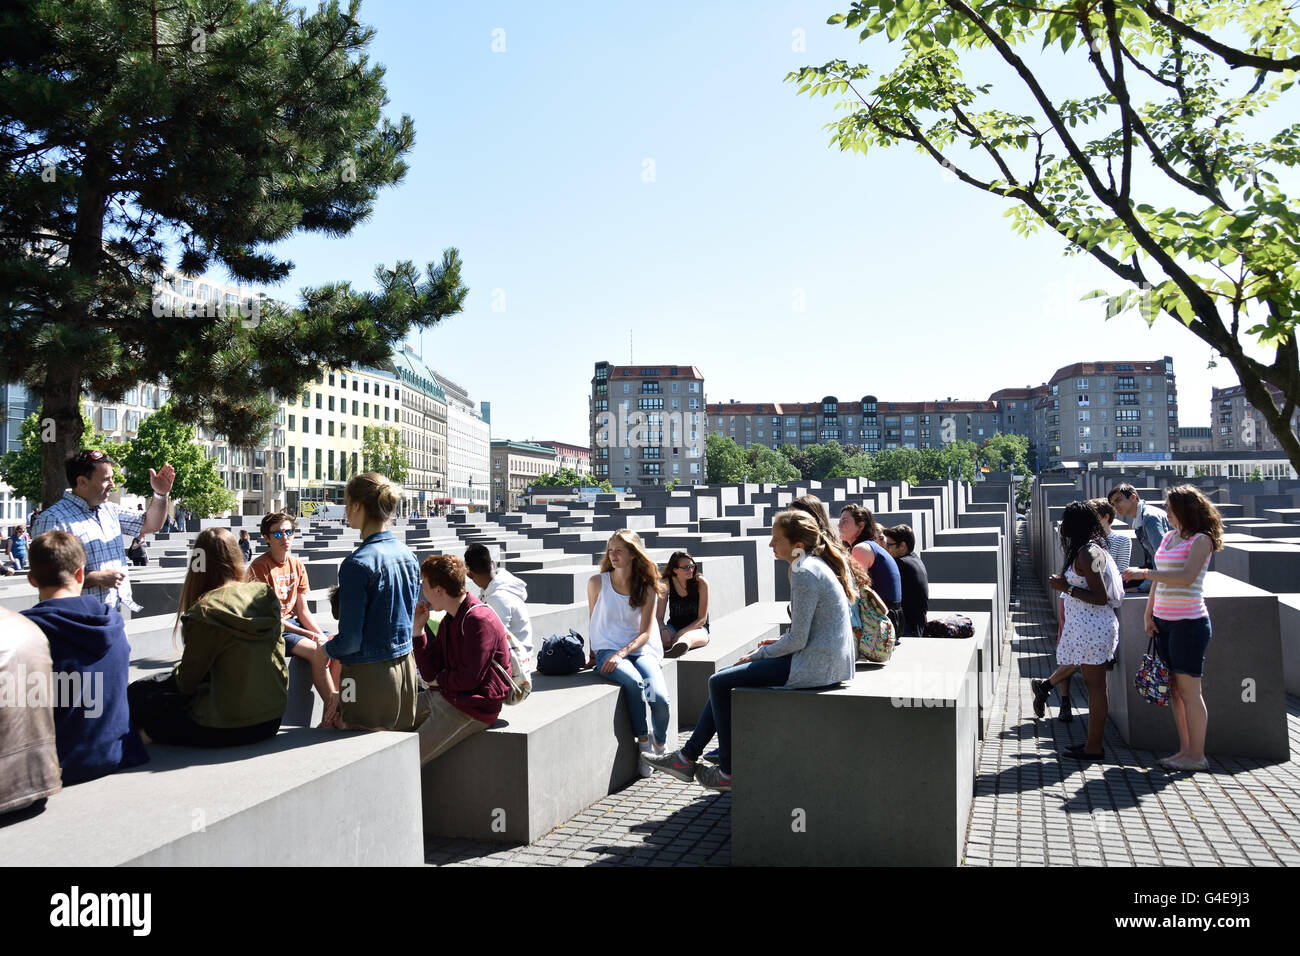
711,777
713,756
678,649
658,749
673,764
642,766
1041,689
1065,716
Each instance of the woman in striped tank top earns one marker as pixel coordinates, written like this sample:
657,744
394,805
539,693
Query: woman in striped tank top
1177,616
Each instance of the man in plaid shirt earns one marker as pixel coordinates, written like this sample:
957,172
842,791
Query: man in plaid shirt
85,511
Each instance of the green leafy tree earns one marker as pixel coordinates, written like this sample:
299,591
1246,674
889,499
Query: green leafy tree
1256,475
1025,491
1006,452
801,460
895,464
21,469
827,459
1162,163
164,439
769,465
569,476
728,463
857,465
382,451
198,132
1201,471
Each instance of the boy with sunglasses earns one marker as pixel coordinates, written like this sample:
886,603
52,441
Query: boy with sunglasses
287,576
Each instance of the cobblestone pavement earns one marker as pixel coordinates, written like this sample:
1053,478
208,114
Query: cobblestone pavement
1031,807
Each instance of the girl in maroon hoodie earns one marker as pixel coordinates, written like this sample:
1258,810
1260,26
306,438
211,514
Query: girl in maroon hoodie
460,662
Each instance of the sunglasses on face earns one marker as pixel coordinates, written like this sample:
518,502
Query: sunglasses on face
88,456
685,567
281,534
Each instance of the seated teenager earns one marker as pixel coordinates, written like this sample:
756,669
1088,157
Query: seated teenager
817,652
621,600
29,758
685,604
287,576
460,662
503,593
90,652
378,587
900,542
862,535
231,684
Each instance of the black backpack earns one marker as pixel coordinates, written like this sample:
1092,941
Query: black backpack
562,654
950,625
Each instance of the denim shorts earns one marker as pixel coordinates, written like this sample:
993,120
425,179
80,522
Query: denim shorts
290,639
1181,644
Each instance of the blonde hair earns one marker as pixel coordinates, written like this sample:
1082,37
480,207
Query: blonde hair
1195,514
215,561
644,581
799,528
376,494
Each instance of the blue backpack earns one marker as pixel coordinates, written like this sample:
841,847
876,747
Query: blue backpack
562,654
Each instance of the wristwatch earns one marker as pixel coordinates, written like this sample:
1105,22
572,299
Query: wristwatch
1070,590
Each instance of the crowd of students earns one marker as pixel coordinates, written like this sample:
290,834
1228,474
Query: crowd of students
412,649
1177,543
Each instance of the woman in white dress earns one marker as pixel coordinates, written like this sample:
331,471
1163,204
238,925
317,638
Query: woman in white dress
1091,631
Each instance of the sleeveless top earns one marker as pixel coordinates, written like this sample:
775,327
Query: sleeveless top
885,579
615,623
682,610
1174,603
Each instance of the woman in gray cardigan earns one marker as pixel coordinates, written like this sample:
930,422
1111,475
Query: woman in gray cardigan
817,652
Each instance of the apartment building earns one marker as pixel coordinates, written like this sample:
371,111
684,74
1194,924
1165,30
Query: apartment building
424,431
1128,408
469,452
326,431
576,457
18,405
1195,439
1236,425
870,424
514,466
648,425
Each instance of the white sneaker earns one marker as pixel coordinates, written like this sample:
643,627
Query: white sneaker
659,750
644,768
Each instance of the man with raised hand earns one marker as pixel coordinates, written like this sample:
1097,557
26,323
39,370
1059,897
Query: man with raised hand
85,511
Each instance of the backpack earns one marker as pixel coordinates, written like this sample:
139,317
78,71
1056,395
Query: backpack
1104,564
518,679
562,654
950,625
873,631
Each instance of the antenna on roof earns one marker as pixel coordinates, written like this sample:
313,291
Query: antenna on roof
631,360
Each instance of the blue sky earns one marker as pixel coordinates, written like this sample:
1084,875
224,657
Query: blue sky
532,162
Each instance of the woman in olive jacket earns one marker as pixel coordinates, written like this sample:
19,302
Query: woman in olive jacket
231,685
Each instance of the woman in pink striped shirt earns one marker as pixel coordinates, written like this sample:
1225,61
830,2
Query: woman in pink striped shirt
1177,616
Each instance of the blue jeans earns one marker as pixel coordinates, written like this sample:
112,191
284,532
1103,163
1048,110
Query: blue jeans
716,716
642,681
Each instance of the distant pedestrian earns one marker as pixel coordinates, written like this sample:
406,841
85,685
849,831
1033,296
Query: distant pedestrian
16,545
137,553
246,546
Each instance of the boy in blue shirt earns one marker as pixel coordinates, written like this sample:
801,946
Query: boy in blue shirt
91,657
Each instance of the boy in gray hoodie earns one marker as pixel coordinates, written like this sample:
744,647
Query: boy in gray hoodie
505,594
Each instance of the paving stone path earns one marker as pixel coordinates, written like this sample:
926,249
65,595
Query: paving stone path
1031,807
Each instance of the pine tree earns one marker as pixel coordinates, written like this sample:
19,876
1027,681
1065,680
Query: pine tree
196,133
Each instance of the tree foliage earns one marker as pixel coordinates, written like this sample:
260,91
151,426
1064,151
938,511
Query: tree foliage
382,451
1178,105
571,478
198,133
21,469
164,439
